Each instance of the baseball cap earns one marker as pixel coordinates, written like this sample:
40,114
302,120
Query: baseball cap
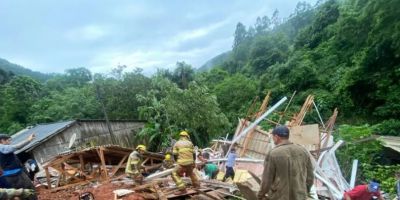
373,186
281,131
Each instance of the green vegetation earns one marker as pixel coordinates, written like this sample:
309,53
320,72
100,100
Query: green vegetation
362,146
346,53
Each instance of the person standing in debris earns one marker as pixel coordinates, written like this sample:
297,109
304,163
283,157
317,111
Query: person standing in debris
185,156
230,163
288,171
364,192
13,173
134,167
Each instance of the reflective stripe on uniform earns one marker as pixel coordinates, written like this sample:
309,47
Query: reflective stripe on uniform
184,149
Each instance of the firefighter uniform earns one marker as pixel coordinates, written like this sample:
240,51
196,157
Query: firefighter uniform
168,163
184,151
134,167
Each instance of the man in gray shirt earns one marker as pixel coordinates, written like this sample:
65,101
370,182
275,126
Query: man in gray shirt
13,174
288,171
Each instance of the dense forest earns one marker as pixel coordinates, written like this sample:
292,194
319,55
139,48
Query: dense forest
345,52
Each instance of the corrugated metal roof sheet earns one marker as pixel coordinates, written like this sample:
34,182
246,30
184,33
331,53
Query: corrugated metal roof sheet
42,132
392,142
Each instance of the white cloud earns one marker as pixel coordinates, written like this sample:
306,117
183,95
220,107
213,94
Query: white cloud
195,33
87,33
158,58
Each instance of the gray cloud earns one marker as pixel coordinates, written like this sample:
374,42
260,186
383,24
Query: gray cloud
51,36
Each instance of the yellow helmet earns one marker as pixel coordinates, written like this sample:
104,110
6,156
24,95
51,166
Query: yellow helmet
168,156
141,147
184,133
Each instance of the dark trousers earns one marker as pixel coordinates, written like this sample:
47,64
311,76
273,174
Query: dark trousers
229,173
20,180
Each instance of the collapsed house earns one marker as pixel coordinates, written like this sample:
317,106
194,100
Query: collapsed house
55,138
253,144
103,166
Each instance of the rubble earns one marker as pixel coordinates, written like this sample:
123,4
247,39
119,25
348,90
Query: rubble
100,170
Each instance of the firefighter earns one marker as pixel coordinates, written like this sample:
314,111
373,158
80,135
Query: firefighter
168,163
134,167
184,152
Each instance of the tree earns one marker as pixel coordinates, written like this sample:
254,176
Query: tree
170,109
183,74
240,35
78,76
17,96
69,104
5,76
267,51
235,94
262,24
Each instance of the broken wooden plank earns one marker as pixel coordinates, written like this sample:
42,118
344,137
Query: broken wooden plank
257,121
160,194
77,170
209,196
118,166
69,186
259,113
48,177
100,152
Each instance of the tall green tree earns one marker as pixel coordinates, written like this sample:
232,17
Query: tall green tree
17,97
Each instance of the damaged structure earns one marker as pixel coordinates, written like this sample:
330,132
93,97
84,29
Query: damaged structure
101,168
54,138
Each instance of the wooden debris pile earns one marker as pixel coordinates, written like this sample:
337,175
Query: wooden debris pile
254,143
101,169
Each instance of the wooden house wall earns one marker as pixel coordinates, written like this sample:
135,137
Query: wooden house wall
258,144
88,133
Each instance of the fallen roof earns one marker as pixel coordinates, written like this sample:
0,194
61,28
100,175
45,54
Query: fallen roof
42,132
392,142
114,153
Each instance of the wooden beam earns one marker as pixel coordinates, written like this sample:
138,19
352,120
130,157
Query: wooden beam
207,195
103,162
262,109
160,194
81,162
329,127
106,150
119,165
78,170
48,177
59,160
70,185
298,119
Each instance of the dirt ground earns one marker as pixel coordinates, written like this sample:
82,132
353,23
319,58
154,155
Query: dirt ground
100,192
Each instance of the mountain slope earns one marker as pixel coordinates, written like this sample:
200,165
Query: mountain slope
19,70
217,60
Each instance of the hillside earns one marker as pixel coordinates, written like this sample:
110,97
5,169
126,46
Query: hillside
217,60
19,70
344,52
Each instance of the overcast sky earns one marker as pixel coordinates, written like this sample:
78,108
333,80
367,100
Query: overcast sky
54,35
